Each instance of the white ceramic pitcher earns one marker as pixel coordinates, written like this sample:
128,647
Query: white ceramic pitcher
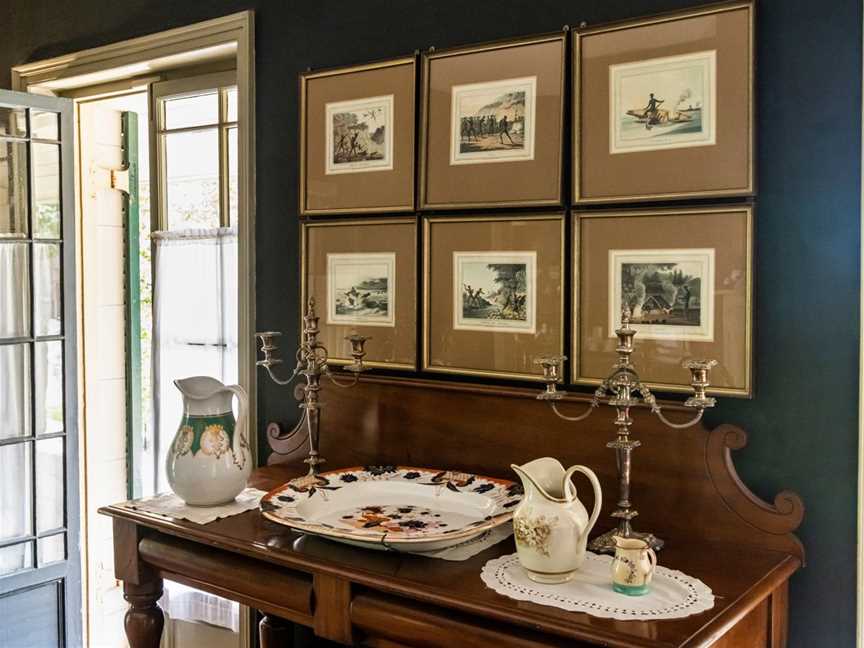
209,461
551,525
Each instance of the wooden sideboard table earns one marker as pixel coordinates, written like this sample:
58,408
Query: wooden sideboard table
684,484
356,596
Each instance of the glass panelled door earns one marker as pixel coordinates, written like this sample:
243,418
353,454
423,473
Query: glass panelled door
40,582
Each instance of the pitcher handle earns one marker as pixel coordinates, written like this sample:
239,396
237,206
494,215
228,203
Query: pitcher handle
242,417
595,484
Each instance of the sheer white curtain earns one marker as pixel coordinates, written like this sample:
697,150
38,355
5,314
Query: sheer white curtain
195,319
14,402
194,334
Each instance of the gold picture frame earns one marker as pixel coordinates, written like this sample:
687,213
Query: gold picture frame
616,159
346,169
331,251
460,335
710,249
526,172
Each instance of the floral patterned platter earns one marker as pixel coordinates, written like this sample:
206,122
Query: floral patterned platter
394,507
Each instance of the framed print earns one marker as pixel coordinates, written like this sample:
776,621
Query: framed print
495,291
493,294
357,138
359,135
361,289
683,276
492,121
663,107
668,294
363,274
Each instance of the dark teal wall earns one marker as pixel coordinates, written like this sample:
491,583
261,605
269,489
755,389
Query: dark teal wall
803,421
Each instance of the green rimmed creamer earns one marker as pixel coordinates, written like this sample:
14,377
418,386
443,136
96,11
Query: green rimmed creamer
209,460
633,566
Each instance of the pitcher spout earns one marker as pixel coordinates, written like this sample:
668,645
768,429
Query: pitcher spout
545,475
199,387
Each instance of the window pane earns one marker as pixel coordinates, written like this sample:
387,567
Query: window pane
49,484
14,291
45,125
16,494
15,558
14,396
46,191
52,549
231,96
232,176
13,122
199,110
47,303
48,387
192,161
13,188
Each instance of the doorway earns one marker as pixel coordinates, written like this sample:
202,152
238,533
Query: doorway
155,94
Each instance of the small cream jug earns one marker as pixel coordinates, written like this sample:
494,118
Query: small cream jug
209,461
551,525
633,566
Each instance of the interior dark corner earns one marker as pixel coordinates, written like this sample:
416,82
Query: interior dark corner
430,324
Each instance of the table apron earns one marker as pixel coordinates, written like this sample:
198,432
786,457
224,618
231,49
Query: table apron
267,587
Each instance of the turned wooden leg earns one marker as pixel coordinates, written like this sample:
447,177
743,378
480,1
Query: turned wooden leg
144,619
274,632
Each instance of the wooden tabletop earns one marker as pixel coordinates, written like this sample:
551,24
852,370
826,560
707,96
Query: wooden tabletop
739,577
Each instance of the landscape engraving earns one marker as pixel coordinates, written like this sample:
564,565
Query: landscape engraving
663,103
361,289
359,135
669,294
493,122
495,291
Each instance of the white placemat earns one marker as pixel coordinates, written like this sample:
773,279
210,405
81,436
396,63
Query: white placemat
472,547
170,506
673,594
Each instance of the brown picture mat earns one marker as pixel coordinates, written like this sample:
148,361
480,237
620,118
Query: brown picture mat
722,169
515,183
729,231
390,347
367,191
487,353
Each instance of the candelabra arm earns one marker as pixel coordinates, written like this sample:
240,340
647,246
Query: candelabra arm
276,379
679,426
336,382
581,417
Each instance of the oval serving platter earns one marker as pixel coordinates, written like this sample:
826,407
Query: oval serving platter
394,507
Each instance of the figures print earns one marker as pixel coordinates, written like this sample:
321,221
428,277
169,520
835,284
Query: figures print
361,289
493,122
663,103
494,291
668,294
359,135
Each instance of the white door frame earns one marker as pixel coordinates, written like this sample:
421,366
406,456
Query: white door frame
137,54
138,57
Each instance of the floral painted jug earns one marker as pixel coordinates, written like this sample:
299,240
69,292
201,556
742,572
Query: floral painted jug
551,525
209,461
633,566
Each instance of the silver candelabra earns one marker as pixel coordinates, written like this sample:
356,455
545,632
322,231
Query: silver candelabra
625,390
312,358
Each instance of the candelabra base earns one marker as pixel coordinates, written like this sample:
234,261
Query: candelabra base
606,543
314,461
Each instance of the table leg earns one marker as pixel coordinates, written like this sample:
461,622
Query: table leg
144,618
274,632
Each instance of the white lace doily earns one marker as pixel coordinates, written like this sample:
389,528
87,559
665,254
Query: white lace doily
673,595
